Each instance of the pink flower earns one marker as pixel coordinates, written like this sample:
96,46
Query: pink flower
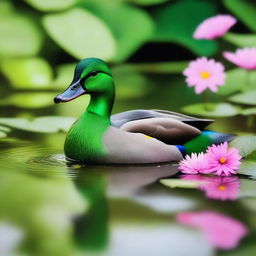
203,73
221,231
194,164
220,188
214,27
223,160
243,58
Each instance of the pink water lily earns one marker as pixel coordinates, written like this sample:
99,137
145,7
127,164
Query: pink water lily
244,58
221,231
194,164
205,74
223,160
214,27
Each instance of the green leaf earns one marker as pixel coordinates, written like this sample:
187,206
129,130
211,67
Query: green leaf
129,83
177,22
179,183
248,168
247,98
160,67
64,76
81,34
248,111
29,73
128,40
44,124
19,36
245,144
51,5
212,109
29,100
146,2
235,81
245,11
241,40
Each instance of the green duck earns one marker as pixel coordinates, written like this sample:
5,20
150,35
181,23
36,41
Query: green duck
131,137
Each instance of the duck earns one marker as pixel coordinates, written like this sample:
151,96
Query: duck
132,137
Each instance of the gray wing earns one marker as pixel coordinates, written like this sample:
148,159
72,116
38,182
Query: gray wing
120,119
169,127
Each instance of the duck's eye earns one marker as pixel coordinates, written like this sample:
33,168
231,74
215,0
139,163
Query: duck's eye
94,73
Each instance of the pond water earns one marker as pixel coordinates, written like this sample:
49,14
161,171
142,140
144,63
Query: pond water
50,207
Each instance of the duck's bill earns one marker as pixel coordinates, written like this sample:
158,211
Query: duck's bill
74,90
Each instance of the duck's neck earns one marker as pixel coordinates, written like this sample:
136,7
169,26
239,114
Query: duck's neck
101,104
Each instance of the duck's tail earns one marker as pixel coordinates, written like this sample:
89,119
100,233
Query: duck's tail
203,141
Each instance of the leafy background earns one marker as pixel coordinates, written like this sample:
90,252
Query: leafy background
147,43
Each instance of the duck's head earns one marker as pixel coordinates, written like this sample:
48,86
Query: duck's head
92,76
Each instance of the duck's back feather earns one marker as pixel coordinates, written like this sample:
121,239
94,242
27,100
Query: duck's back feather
167,126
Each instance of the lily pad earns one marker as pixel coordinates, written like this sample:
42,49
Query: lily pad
51,5
130,84
128,40
248,111
245,144
81,34
30,100
236,80
44,124
28,73
212,109
3,134
248,168
179,183
19,36
177,21
241,40
64,75
244,10
247,98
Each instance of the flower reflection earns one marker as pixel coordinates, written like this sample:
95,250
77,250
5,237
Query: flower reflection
219,188
221,231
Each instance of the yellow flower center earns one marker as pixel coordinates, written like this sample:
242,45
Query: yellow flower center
222,160
222,187
205,74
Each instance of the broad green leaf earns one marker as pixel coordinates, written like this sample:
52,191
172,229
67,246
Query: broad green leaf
177,21
3,134
241,40
130,83
131,34
248,168
160,67
146,2
81,34
248,111
29,100
29,73
19,36
51,5
245,144
179,183
64,76
244,10
236,80
44,124
247,98
212,109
